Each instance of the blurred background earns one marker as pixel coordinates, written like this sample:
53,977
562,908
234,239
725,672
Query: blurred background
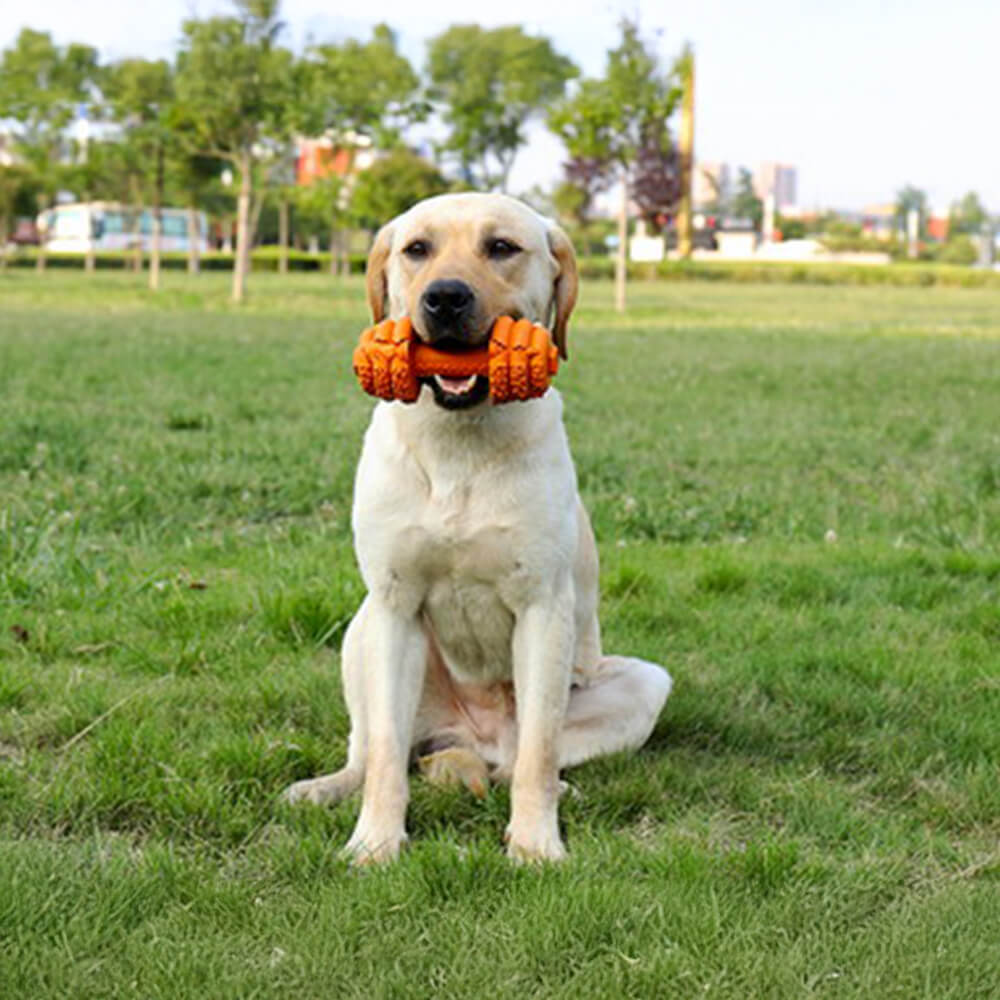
223,132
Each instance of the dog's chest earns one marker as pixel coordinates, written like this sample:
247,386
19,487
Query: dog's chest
468,568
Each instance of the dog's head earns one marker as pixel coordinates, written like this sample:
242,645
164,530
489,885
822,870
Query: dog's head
455,263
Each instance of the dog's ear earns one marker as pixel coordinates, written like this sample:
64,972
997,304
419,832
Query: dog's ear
375,276
565,286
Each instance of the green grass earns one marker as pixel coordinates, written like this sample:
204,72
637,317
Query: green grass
818,811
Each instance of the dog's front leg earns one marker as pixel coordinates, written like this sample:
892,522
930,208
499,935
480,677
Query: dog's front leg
543,644
395,664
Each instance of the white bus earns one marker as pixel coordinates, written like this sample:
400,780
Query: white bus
102,225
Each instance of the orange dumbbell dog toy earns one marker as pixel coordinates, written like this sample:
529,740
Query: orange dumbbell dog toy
519,361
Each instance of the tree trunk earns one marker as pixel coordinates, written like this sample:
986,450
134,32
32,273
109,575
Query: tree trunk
90,259
40,259
343,253
621,257
154,248
137,210
4,230
154,252
194,240
283,235
242,259
686,142
333,247
43,204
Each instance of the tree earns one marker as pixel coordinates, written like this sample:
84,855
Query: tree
391,185
488,84
193,179
17,195
239,88
685,223
615,118
102,170
744,203
141,96
968,215
41,86
912,199
356,92
365,87
585,178
657,180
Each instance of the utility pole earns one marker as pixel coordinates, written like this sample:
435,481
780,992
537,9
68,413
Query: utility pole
686,140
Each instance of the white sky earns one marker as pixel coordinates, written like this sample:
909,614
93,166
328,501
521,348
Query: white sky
862,96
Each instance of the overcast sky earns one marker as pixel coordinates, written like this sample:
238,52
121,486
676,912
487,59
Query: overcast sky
862,96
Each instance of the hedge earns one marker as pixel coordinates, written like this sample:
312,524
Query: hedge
596,268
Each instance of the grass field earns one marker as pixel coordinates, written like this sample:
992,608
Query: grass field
796,491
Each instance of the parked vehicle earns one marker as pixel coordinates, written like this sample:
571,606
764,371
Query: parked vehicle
83,226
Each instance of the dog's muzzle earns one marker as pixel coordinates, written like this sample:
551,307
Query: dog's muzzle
447,307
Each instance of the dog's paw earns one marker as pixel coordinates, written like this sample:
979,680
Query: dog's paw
536,846
456,766
324,791
373,848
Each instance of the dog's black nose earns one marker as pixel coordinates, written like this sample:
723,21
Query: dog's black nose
447,304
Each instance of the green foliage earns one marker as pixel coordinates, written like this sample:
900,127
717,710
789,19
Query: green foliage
140,95
959,249
744,203
968,215
571,202
318,205
391,185
235,82
18,188
791,229
488,83
40,86
364,87
609,119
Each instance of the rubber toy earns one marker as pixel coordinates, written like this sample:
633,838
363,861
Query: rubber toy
519,360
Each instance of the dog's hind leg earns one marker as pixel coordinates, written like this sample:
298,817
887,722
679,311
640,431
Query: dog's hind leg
615,710
332,788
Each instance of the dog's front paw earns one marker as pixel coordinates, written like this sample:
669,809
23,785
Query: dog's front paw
371,847
537,845
324,791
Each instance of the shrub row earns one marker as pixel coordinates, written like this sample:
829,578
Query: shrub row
262,259
597,268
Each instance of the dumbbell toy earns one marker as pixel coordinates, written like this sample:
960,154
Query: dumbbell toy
519,360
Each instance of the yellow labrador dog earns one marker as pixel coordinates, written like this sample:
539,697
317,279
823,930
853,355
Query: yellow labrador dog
477,646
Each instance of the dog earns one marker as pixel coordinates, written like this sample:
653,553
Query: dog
477,646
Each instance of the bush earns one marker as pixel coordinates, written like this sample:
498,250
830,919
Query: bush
262,259
946,271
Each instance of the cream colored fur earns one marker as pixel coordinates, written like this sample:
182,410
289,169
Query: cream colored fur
479,630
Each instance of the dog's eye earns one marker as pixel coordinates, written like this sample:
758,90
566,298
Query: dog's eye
417,250
501,249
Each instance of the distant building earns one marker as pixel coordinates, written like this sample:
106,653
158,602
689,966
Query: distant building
340,156
778,179
879,221
712,182
938,226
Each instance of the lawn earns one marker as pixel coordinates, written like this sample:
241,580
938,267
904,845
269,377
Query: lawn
796,492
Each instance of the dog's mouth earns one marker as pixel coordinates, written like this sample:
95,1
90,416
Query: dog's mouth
457,393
